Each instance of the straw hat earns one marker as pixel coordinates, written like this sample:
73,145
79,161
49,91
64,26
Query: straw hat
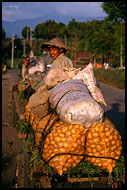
25,57
55,42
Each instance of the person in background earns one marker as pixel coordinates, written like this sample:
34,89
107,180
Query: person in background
25,62
4,69
57,51
20,68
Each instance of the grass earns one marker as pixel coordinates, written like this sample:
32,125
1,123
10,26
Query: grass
113,77
15,65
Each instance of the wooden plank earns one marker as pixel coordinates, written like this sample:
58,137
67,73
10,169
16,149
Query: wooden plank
18,106
84,179
123,179
45,182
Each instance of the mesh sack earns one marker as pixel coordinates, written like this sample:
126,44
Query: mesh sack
103,140
64,139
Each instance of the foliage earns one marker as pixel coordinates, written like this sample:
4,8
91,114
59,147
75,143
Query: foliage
119,170
26,32
86,168
21,96
3,34
113,77
102,39
115,10
46,30
22,126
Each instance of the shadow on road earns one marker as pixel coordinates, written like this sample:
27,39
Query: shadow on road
118,119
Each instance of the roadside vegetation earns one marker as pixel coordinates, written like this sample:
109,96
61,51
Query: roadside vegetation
111,76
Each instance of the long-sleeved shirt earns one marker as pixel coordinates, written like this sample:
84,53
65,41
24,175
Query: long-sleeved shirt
62,61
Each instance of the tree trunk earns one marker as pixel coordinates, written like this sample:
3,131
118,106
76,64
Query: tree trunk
94,61
121,53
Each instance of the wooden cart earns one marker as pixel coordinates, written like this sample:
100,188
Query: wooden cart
45,180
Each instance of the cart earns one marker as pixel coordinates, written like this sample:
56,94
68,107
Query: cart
43,176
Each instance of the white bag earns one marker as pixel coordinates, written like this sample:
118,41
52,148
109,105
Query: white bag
74,104
88,78
38,67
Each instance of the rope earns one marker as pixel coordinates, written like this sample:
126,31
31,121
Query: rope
85,155
44,135
64,95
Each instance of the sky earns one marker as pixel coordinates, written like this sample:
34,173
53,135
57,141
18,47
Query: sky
12,11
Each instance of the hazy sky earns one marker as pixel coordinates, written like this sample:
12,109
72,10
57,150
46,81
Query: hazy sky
12,11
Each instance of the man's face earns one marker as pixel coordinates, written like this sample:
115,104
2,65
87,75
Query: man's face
26,62
54,52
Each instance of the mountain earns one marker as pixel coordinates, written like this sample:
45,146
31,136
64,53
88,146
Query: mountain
16,27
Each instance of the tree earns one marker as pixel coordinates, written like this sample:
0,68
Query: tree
115,10
3,34
116,13
26,32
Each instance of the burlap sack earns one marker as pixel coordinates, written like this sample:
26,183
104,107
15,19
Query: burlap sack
54,77
38,102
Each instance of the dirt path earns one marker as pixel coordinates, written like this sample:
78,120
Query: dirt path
12,148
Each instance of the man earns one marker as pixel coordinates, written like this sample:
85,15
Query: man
57,50
25,62
32,64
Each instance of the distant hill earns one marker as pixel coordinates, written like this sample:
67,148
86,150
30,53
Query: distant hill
17,26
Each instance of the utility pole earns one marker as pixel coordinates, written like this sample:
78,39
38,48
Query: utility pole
65,40
27,32
121,48
24,47
75,47
30,38
12,55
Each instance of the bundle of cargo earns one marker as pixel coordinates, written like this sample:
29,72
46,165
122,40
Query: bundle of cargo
65,145
57,76
78,128
64,140
38,102
87,76
54,77
38,121
74,104
103,140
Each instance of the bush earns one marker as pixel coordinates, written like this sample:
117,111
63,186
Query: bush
113,77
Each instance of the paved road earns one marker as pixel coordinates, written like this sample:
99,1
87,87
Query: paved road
115,110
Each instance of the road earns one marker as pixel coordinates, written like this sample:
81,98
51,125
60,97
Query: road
115,110
13,153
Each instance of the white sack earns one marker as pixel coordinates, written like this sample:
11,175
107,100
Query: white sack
74,104
88,78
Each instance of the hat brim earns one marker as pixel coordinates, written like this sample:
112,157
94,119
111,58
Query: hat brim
47,46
